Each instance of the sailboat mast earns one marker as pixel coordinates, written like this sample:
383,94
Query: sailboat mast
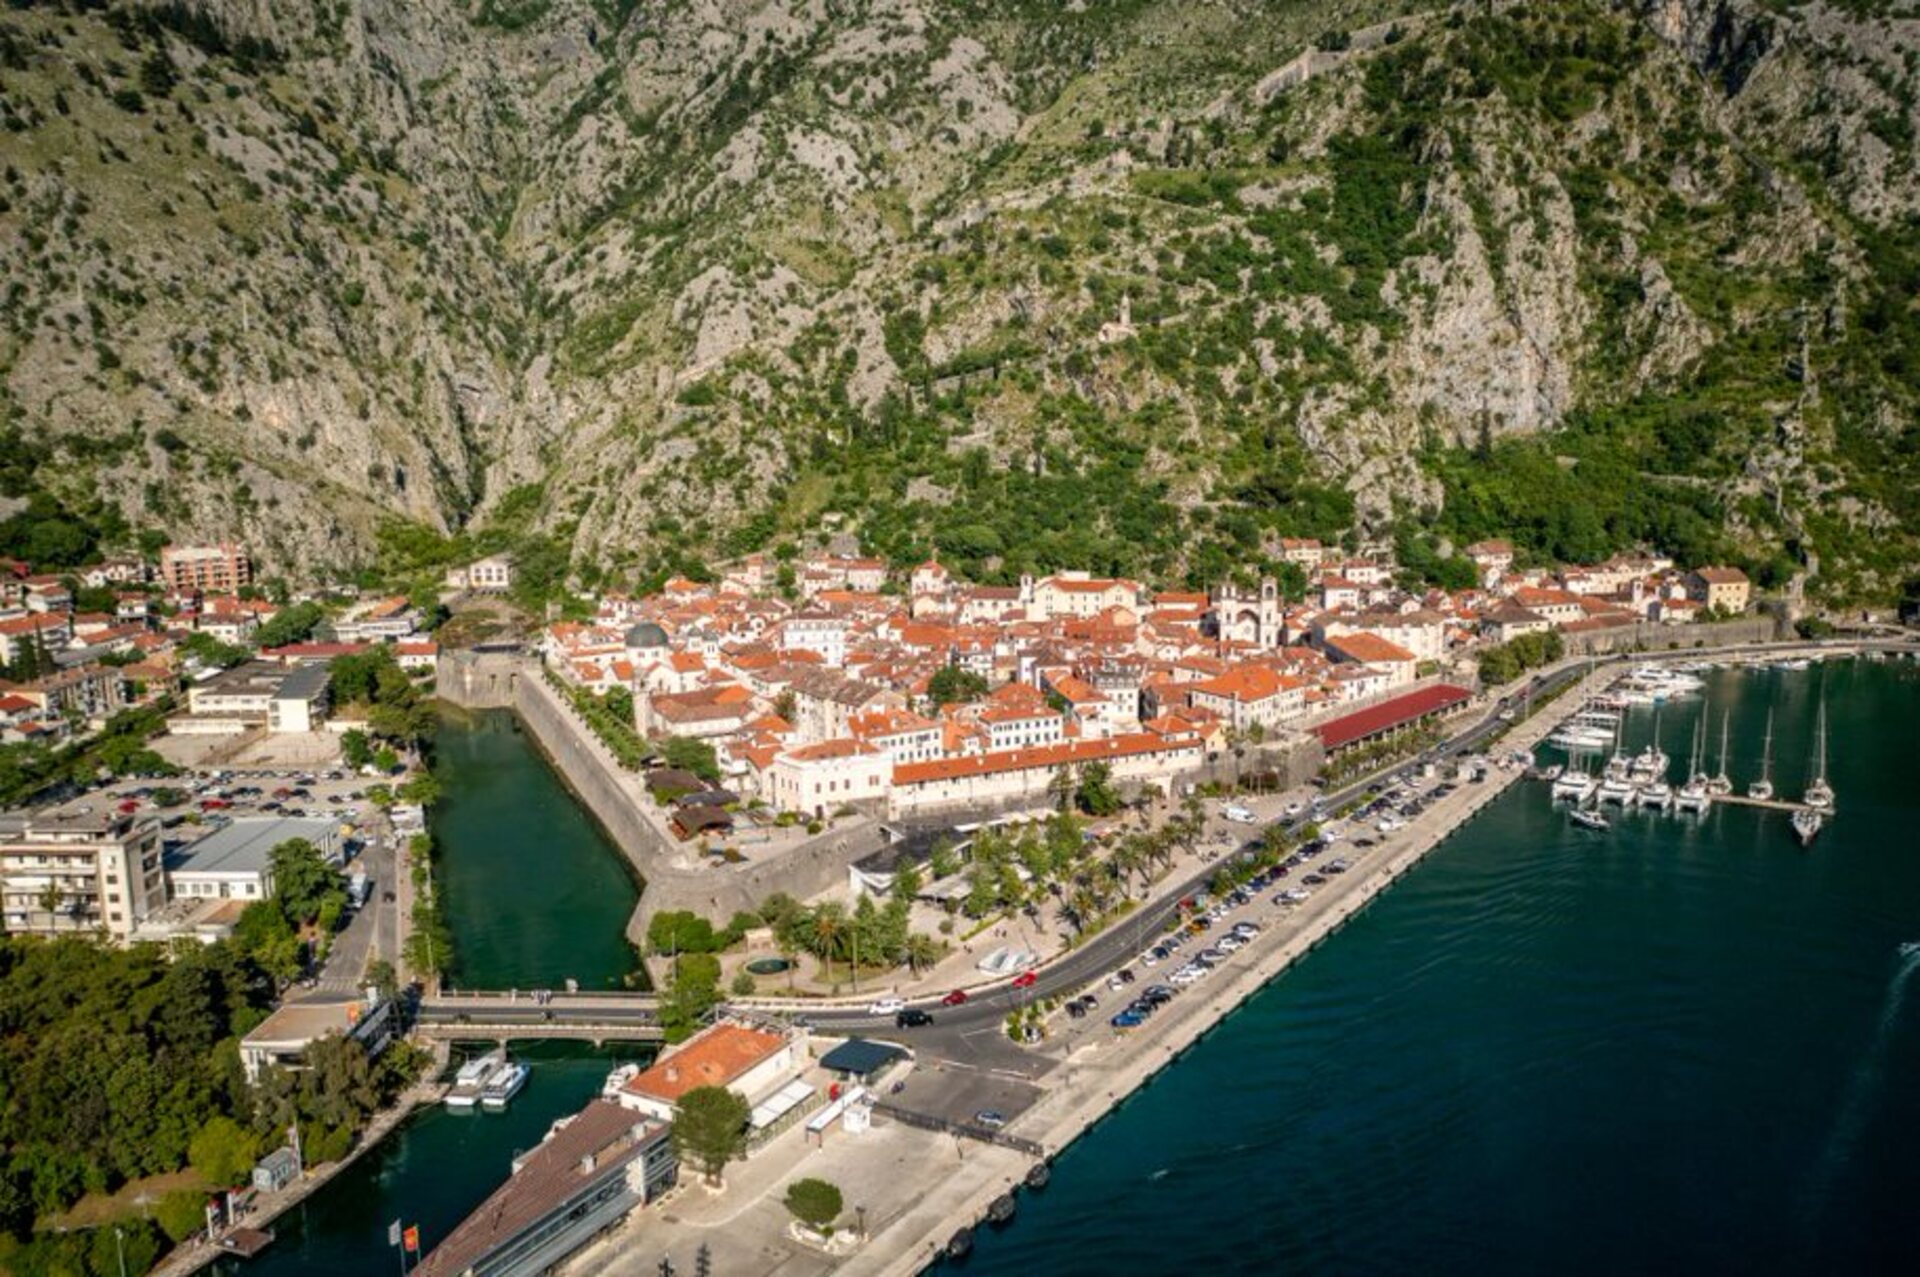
1723,742
1766,751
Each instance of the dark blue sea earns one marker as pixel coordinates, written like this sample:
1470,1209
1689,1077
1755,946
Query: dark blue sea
1684,1046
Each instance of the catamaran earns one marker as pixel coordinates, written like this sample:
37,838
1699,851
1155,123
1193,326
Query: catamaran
1819,793
1574,785
1697,793
1763,788
1651,762
1656,794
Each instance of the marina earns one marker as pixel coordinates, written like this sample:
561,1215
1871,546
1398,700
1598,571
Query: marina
1504,1055
1640,781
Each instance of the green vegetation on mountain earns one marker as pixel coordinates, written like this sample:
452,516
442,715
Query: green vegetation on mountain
1135,285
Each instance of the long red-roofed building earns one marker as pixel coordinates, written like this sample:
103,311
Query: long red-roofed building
1390,716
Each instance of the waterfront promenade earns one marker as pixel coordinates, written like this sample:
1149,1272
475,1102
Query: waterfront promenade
919,1186
922,1186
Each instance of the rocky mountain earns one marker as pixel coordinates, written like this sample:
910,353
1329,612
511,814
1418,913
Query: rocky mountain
1140,284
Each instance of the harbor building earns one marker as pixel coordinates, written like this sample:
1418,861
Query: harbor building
1409,710
78,868
752,1062
281,1040
582,1180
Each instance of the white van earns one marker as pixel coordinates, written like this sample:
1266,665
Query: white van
1239,815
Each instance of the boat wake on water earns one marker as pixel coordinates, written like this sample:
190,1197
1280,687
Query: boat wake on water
1861,1092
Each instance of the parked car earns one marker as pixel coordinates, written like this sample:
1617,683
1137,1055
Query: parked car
992,1119
1127,1020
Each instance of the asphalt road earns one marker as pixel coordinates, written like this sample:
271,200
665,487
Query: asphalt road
955,1031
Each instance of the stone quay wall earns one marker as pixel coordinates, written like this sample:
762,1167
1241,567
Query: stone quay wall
1646,636
673,875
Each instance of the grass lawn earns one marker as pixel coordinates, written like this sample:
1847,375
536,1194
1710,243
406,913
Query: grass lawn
136,1197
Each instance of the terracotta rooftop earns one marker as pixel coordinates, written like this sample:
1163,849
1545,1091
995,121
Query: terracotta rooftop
1388,714
712,1057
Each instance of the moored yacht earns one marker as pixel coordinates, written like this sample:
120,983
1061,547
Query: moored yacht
1589,820
1615,789
1819,793
1721,784
1574,785
1696,793
1806,824
1656,795
504,1085
1763,788
472,1079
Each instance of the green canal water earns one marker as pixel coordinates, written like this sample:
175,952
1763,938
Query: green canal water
535,893
1684,1046
432,1172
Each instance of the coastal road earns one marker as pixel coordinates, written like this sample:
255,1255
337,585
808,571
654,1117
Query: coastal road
971,1034
956,1033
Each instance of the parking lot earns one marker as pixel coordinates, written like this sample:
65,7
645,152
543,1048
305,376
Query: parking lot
1215,931
187,800
949,1092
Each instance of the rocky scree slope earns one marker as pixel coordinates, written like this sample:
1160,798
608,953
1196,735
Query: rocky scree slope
1142,285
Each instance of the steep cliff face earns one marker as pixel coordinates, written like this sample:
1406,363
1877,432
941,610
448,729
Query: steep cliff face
706,271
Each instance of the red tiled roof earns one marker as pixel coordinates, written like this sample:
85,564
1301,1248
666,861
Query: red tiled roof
1011,760
1401,709
712,1057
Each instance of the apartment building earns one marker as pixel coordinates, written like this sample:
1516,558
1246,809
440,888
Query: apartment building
77,869
206,569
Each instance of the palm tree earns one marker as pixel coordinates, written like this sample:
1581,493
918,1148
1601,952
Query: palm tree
828,927
922,950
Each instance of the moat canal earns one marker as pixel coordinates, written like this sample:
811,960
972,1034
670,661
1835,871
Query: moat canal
535,894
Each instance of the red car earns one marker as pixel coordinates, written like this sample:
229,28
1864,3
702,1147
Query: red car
130,806
954,999
1025,980
214,804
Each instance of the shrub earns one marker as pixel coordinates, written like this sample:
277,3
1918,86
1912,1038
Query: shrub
814,1202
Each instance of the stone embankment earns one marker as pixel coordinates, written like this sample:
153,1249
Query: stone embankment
673,875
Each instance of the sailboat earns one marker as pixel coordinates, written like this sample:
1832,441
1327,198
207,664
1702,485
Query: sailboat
1819,795
1721,785
1650,764
1806,823
1573,783
1615,787
1697,793
1763,788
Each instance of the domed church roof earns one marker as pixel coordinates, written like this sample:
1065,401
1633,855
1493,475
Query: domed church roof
646,634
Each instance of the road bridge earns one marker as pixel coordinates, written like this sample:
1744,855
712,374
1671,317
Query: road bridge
590,1017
